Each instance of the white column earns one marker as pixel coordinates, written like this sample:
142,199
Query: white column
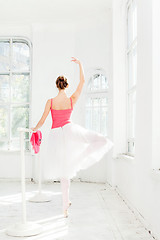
144,86
156,85
119,77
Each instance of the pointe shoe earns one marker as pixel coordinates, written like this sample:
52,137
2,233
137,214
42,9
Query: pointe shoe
65,213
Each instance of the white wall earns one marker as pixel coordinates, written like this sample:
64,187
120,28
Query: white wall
54,43
135,178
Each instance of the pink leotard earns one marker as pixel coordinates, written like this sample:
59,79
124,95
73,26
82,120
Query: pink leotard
60,117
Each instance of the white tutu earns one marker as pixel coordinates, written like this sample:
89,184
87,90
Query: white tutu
72,147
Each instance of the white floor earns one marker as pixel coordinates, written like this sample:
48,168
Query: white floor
97,213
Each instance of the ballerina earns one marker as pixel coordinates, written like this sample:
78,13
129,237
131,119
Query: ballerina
70,147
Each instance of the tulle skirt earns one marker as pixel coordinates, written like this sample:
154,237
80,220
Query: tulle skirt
71,148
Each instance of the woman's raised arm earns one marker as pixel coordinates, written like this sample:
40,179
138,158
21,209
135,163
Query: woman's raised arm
77,93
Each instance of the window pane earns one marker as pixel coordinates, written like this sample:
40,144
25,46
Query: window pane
134,7
4,88
88,102
20,56
134,60
129,26
104,101
95,102
96,119
96,81
27,145
104,121
4,56
131,114
88,118
20,88
104,82
3,145
89,87
132,68
131,147
19,118
3,122
15,144
132,23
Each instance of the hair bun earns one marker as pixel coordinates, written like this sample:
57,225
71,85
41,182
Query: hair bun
61,82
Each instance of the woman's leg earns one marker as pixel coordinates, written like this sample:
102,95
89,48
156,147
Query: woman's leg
65,185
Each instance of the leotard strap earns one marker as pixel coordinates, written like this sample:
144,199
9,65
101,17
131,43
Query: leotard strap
51,103
71,103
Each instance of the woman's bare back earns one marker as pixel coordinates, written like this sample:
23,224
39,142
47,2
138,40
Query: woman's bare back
61,103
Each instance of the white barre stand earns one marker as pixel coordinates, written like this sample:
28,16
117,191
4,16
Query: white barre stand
40,197
24,229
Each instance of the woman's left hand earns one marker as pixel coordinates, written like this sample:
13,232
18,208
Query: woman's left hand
34,129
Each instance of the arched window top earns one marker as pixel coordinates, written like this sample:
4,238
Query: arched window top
97,82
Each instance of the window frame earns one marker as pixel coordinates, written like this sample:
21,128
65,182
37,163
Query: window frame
27,41
132,90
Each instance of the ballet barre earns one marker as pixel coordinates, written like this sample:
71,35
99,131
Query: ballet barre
24,228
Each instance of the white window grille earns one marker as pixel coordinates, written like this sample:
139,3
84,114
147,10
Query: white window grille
131,74
15,84
97,103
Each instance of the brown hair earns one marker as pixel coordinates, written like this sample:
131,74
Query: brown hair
61,82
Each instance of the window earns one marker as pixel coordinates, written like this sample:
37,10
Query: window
15,76
131,74
97,103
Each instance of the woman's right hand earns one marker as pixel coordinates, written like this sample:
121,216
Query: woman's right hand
76,60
